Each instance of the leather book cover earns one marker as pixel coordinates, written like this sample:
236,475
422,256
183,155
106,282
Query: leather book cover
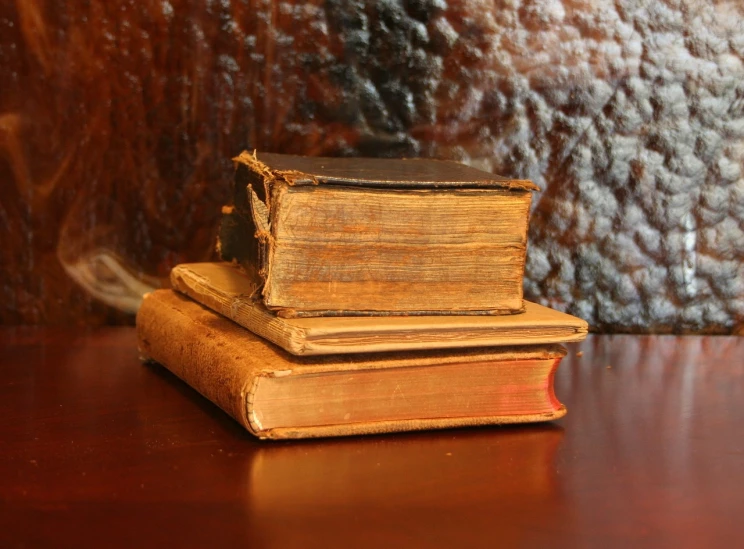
276,395
228,290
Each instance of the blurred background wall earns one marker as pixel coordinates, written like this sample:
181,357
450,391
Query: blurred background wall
118,120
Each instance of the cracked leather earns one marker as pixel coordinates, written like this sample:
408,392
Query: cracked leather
118,119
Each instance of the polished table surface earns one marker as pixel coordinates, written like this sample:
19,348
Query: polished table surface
98,450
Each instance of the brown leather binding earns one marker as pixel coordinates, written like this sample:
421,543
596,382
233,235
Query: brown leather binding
379,172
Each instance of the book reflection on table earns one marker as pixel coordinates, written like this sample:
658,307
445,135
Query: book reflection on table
423,486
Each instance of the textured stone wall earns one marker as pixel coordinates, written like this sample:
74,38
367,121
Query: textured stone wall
118,119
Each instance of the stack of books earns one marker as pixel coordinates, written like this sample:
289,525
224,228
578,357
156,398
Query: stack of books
363,296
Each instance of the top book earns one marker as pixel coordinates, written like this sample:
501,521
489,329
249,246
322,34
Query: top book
362,236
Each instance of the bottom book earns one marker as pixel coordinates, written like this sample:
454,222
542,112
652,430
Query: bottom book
275,395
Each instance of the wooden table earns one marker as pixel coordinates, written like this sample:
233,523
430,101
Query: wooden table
98,450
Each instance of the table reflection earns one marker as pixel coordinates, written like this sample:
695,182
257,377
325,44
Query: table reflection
421,486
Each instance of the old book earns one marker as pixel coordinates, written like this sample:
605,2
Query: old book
229,291
351,236
277,395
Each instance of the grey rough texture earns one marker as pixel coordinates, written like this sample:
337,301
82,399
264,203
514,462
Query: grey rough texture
641,225
629,115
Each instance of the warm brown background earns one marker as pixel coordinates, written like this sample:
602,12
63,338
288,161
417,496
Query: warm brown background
118,120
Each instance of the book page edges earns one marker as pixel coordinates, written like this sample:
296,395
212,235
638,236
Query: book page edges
380,427
323,345
553,409
290,313
290,297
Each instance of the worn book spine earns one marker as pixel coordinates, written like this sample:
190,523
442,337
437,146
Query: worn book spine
236,242
225,363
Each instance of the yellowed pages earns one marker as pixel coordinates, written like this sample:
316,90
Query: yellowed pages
378,237
229,291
